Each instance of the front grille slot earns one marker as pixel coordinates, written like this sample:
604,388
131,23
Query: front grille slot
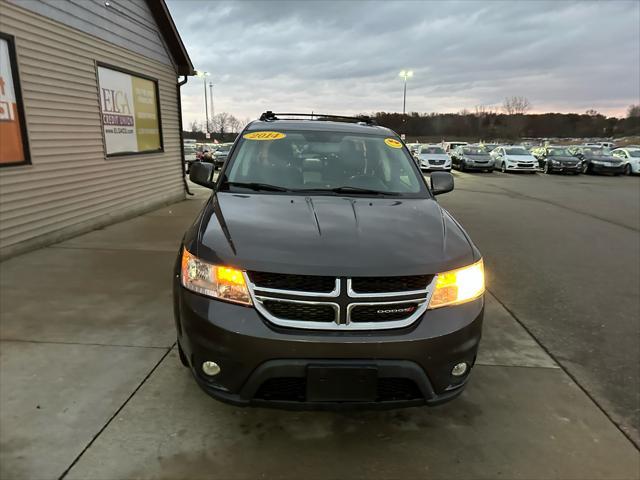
300,311
383,313
297,283
363,285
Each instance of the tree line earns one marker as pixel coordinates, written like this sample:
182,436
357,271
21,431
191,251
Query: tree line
512,122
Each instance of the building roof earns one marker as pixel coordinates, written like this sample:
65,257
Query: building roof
171,36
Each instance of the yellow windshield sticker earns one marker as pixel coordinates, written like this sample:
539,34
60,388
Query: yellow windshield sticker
393,143
264,136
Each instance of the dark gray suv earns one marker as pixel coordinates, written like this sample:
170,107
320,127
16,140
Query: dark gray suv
322,273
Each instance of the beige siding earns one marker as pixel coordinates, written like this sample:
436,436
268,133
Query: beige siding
71,187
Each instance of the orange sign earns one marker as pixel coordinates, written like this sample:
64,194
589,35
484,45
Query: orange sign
11,134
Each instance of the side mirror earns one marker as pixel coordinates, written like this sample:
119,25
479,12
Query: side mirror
202,173
441,182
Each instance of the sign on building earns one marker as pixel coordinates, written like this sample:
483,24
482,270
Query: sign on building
13,133
129,110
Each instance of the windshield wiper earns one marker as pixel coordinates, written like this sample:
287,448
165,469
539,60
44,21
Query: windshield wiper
347,189
258,186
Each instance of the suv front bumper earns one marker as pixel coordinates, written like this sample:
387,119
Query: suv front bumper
251,352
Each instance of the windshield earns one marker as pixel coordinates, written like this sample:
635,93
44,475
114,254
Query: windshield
323,161
189,149
516,151
474,151
596,152
634,153
559,152
224,149
433,150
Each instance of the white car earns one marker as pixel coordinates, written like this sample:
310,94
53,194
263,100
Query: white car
433,157
514,158
631,158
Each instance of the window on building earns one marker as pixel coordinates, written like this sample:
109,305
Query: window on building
14,147
130,112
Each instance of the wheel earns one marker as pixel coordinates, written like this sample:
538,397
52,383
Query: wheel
627,169
546,168
585,168
183,357
463,167
503,167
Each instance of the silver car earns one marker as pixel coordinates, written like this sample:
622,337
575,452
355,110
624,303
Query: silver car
433,157
514,158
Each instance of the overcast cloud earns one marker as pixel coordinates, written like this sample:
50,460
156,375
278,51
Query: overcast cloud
344,57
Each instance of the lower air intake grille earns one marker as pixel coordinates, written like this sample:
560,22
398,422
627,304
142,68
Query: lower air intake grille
390,284
300,311
390,389
293,389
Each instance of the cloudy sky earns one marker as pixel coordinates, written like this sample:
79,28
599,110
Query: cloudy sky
344,57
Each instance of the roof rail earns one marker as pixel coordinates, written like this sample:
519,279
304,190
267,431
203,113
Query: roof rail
270,116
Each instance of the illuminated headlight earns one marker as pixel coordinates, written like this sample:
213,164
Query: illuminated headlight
215,281
458,286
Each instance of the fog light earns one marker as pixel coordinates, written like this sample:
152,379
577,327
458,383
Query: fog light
210,368
459,369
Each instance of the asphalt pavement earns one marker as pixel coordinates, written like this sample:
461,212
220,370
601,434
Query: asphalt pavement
91,386
563,255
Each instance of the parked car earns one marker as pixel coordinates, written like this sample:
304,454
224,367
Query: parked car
514,158
220,155
556,159
326,278
472,158
189,155
598,160
630,157
489,147
433,157
449,146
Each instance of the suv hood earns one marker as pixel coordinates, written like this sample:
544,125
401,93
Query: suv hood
563,158
331,235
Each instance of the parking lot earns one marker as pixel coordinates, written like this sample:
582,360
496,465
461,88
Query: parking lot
91,386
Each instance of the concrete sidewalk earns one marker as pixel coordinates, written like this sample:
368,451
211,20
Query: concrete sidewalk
91,387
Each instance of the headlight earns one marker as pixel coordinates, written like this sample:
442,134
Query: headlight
214,281
458,286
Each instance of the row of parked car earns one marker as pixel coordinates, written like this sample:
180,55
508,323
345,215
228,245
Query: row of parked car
589,158
215,153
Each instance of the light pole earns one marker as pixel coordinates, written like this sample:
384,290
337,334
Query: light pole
405,74
213,112
204,76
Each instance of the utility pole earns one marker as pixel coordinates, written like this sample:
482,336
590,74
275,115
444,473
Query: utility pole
204,76
213,112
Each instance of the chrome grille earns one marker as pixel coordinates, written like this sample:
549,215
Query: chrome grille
359,303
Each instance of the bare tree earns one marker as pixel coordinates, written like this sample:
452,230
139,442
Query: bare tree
633,111
195,126
592,112
226,123
516,105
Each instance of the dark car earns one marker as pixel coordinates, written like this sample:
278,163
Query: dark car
323,273
220,155
557,159
472,157
599,160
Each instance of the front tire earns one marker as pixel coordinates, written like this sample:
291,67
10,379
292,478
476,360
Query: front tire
585,169
503,167
546,168
627,169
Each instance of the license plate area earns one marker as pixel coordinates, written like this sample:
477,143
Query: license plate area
342,383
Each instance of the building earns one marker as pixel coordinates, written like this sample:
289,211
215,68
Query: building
90,120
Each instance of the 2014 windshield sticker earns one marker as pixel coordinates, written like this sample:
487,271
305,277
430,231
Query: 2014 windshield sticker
264,136
393,143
